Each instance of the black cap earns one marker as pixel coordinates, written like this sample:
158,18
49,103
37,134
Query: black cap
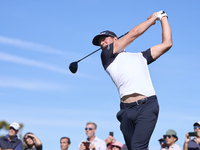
95,40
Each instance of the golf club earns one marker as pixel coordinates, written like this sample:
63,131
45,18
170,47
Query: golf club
73,67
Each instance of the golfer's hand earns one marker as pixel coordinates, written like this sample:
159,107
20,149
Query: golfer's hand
153,18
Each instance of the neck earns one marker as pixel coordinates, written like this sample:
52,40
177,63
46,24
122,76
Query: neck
91,139
171,144
10,138
31,146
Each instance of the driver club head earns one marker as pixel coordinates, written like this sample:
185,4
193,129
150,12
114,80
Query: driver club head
73,67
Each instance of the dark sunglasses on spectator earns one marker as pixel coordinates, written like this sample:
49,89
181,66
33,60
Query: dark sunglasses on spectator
169,136
162,142
12,128
116,146
88,129
195,127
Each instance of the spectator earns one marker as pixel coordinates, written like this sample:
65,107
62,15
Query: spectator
116,146
31,142
163,144
171,138
94,141
11,141
193,144
65,143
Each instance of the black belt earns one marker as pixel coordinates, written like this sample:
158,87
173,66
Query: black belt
138,102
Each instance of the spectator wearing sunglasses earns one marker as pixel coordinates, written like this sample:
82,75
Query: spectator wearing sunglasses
94,142
163,144
171,137
11,141
193,144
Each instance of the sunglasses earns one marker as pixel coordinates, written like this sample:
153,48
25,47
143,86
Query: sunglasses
12,128
162,142
88,129
169,136
116,146
195,127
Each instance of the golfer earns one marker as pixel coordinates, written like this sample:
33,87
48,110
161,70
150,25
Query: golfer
129,71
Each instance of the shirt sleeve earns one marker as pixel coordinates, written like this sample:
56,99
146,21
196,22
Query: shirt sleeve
107,56
147,54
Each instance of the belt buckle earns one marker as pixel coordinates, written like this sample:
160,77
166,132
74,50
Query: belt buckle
137,102
142,101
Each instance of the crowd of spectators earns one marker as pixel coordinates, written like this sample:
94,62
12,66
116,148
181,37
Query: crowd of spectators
92,142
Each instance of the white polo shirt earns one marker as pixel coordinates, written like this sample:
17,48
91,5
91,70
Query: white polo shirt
129,71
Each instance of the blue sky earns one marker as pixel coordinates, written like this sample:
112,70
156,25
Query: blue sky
38,41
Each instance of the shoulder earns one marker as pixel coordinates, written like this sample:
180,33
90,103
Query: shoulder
39,147
107,56
99,140
177,146
4,138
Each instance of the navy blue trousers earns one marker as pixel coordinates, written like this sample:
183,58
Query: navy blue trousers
138,122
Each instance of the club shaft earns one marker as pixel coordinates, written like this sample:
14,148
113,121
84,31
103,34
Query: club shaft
89,54
99,49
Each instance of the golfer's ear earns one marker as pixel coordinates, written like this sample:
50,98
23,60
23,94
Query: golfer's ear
115,38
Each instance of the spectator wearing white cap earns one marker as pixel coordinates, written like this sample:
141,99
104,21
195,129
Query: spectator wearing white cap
171,138
193,144
11,141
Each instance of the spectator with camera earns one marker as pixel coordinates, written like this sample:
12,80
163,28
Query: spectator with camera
110,139
171,137
163,144
11,141
31,142
193,144
92,142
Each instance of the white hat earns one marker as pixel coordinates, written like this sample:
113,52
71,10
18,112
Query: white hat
197,123
15,125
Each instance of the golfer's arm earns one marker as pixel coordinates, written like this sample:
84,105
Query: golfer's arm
134,33
158,50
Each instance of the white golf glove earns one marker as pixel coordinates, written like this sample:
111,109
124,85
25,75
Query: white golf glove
160,14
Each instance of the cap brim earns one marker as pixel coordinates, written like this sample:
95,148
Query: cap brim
14,127
95,40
